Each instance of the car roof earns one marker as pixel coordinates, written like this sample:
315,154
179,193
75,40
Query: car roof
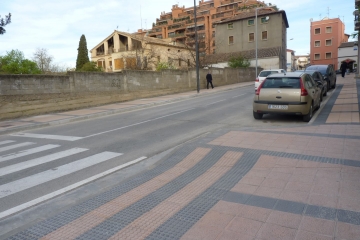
317,66
272,70
289,74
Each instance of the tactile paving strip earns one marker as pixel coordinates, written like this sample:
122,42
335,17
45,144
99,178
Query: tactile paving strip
294,207
134,211
182,221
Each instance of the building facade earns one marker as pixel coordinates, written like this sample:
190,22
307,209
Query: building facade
302,61
179,25
326,36
238,34
122,50
348,52
290,60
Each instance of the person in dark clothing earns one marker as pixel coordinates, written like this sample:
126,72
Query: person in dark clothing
209,80
343,68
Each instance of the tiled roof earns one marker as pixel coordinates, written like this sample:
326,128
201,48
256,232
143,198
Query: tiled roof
166,42
347,44
249,54
251,14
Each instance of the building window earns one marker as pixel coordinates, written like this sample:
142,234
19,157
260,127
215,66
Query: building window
328,29
317,30
231,39
264,19
188,62
230,26
328,55
179,62
317,43
251,22
251,37
317,56
328,42
264,35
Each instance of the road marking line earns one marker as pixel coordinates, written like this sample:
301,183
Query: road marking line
3,149
41,160
27,152
215,102
45,136
238,95
138,123
66,189
6,142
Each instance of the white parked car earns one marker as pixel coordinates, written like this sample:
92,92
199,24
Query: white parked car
264,73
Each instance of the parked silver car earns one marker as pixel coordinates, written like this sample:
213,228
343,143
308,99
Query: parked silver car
287,93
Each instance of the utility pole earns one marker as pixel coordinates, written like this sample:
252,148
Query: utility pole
197,51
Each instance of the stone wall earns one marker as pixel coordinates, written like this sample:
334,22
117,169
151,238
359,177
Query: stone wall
25,95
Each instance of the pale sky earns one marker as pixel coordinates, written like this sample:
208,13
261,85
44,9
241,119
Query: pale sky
58,25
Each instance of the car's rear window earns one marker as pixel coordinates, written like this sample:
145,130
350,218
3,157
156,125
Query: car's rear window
266,73
317,68
282,82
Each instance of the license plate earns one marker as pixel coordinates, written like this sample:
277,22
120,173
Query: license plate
281,107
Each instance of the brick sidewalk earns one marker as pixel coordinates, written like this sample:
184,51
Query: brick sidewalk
277,183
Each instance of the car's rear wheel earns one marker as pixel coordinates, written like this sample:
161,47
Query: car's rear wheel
328,86
334,86
307,117
257,115
325,93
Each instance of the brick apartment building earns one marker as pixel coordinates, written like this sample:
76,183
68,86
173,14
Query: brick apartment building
180,27
326,36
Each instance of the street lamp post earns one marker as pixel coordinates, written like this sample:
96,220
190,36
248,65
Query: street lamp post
197,51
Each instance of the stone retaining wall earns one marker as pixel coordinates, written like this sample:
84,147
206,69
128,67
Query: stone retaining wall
25,95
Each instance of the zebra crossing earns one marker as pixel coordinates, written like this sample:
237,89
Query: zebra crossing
19,156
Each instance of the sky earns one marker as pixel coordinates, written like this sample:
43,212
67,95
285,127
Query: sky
58,25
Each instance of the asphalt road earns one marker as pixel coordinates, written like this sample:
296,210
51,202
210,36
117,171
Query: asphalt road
73,153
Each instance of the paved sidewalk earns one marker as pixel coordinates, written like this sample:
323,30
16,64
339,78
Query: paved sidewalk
277,183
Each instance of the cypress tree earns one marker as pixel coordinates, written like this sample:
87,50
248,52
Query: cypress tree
82,56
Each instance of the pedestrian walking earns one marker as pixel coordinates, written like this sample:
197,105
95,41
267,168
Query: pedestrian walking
209,80
343,68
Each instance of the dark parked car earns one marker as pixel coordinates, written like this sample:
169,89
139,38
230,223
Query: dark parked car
319,79
328,73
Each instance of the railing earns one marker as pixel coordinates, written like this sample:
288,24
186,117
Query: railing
181,19
179,35
176,26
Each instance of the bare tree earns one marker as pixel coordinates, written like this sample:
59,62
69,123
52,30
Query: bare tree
5,22
43,59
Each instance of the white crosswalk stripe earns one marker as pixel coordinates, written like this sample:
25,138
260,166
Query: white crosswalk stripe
3,149
41,160
25,182
6,142
46,136
27,152
37,179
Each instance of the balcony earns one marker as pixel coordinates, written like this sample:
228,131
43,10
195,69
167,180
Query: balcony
177,26
179,35
181,19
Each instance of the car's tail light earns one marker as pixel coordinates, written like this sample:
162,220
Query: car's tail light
304,92
257,80
257,92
